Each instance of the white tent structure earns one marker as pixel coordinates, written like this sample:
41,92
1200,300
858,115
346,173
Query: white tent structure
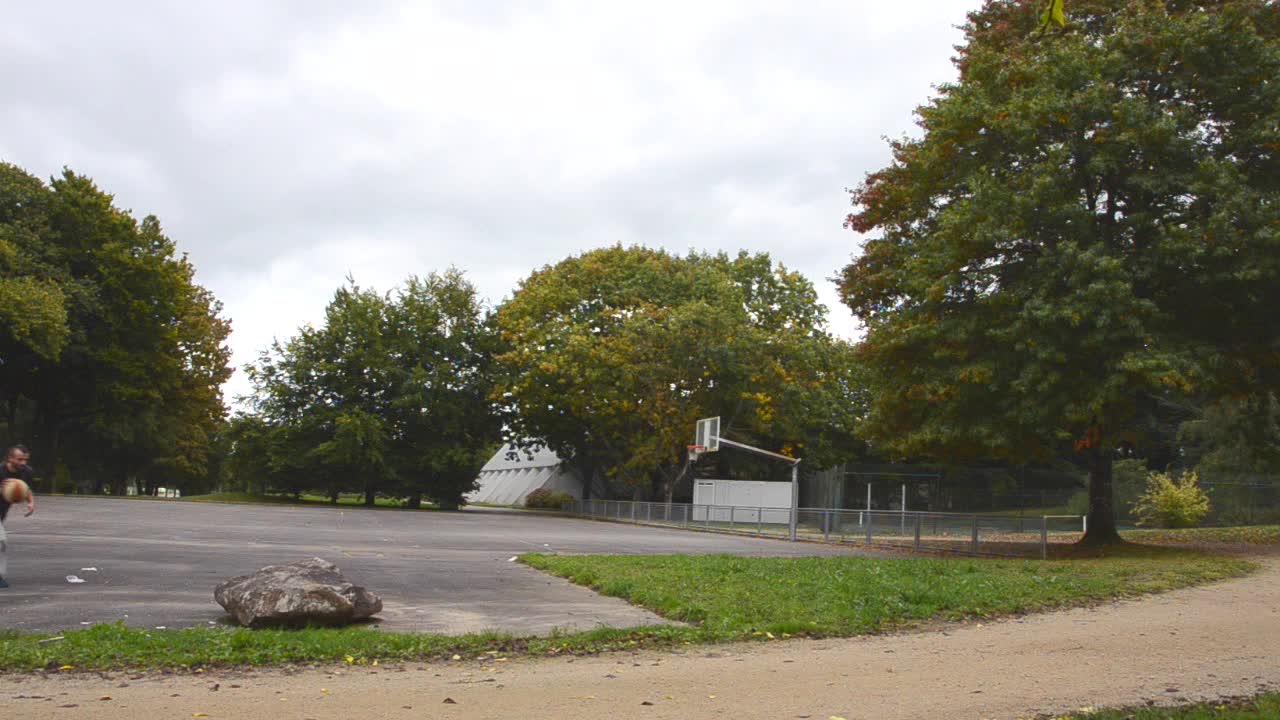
513,472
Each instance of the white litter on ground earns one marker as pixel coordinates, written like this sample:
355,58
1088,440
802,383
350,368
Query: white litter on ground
74,579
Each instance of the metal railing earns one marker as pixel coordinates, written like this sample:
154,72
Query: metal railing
974,534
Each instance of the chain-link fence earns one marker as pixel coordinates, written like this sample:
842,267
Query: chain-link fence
1234,499
975,534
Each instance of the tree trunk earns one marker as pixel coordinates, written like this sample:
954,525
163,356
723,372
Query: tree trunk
333,497
415,501
587,469
1102,514
369,496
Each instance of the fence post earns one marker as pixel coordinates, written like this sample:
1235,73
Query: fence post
974,549
633,511
732,511
868,525
1044,537
759,521
648,514
917,523
826,525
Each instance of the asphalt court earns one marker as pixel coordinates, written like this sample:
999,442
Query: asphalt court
152,563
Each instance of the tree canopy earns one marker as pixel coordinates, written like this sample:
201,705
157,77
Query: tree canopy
112,358
1089,219
390,395
611,356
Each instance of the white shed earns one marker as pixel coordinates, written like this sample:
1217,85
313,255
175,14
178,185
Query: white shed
748,500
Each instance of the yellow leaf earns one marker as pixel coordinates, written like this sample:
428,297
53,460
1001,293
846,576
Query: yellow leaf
105,697
67,667
199,714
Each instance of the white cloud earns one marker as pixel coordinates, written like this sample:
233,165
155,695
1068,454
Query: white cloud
285,145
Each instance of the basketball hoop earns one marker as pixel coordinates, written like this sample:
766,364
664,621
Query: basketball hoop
696,451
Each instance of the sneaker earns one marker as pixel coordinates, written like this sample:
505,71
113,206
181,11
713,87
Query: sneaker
3,584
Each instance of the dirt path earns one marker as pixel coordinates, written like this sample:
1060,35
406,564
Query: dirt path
1200,643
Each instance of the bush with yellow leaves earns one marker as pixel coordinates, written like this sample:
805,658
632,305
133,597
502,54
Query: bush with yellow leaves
1171,502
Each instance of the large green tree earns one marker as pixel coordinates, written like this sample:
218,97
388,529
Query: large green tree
1089,219
389,395
610,357
111,356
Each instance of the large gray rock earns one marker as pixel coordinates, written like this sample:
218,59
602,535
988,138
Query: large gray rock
305,592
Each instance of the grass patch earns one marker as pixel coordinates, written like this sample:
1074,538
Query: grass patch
115,646
722,598
1263,707
732,598
1248,535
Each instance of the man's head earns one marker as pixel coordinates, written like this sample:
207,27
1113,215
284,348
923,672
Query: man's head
16,457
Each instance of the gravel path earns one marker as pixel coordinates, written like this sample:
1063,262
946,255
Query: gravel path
1199,643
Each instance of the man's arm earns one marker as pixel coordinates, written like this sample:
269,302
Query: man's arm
31,496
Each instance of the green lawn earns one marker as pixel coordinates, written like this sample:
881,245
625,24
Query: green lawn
1250,535
715,598
733,597
1263,707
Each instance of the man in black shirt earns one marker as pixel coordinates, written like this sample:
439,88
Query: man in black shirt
14,466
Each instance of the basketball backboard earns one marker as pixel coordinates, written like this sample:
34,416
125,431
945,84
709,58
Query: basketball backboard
708,434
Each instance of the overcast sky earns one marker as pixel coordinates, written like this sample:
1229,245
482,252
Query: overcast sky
285,145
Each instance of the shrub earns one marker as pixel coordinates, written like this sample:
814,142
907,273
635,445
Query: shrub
1170,502
548,499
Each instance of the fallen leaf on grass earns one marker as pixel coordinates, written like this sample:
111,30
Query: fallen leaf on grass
65,668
